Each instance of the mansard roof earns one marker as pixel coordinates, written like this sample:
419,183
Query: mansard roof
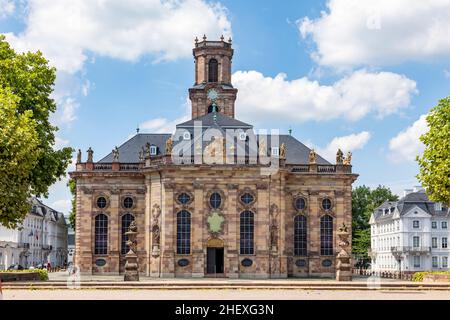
404,205
40,209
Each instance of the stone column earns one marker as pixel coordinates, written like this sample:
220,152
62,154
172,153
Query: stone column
232,236
114,232
147,224
168,236
313,233
262,230
84,235
197,227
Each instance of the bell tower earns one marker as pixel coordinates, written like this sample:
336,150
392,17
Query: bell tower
212,78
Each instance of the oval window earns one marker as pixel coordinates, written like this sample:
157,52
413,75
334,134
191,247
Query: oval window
128,202
246,262
183,262
247,198
101,202
326,204
300,204
184,198
327,263
215,200
100,262
300,263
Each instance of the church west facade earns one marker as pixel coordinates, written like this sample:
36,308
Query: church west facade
215,198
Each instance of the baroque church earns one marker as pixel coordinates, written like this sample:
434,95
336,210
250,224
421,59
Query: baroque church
215,198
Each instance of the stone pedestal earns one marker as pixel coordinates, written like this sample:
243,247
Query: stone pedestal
131,264
131,267
343,263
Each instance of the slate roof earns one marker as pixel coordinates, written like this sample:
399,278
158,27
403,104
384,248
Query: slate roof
296,152
129,151
405,204
221,120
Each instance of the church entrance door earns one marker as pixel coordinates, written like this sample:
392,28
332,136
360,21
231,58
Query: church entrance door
214,261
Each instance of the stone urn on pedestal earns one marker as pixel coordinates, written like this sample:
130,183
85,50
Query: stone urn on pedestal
343,267
131,264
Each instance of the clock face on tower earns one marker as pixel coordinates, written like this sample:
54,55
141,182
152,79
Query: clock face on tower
212,95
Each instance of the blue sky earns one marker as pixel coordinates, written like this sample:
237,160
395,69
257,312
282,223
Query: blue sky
343,73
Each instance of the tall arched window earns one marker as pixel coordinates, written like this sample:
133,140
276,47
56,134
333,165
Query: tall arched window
183,232
101,234
126,221
326,236
213,70
247,232
300,241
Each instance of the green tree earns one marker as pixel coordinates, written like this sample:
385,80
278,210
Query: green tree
435,161
30,80
73,213
364,201
19,152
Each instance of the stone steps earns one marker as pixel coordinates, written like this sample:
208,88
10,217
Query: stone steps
229,285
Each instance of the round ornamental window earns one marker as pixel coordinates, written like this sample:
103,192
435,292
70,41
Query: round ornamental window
128,202
246,262
300,263
326,204
247,198
101,202
300,204
184,198
183,262
100,262
215,200
327,263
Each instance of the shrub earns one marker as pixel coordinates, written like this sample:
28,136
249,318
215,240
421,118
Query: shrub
418,276
43,273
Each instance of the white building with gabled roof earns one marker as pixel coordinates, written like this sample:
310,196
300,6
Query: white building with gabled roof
410,235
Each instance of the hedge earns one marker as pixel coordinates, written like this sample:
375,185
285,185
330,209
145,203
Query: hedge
43,273
418,276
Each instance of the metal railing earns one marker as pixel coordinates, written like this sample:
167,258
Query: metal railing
413,249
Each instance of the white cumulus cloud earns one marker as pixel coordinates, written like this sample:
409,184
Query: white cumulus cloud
66,31
347,143
7,8
406,145
379,32
162,125
351,98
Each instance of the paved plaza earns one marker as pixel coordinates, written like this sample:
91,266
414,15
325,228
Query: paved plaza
223,294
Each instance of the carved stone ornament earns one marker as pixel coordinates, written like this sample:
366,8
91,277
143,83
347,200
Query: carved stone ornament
312,157
90,157
131,264
339,157
156,213
215,221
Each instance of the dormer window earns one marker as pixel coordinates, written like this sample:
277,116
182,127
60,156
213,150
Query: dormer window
153,150
186,136
438,206
275,151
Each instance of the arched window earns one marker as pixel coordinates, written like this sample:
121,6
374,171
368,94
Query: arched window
183,232
101,234
210,109
213,70
300,241
247,232
126,221
326,236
